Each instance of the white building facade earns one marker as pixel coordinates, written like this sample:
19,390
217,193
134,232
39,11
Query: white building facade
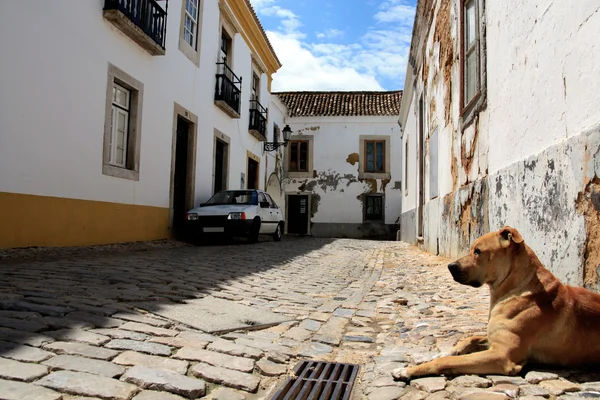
500,126
340,171
117,116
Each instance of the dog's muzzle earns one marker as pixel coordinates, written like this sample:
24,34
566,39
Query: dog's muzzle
458,275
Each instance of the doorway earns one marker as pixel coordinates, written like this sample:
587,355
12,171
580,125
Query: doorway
421,169
252,180
298,212
180,179
221,149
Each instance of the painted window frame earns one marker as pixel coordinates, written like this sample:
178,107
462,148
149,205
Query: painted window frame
131,168
310,161
375,157
191,51
366,216
362,172
298,144
470,108
118,109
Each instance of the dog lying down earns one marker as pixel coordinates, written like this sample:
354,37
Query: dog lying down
533,317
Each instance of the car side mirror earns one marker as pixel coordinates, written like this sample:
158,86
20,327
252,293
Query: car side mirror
264,204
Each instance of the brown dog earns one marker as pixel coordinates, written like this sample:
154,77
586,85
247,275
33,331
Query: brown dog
533,316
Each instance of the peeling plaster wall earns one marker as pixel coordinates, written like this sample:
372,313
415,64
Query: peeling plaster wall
335,182
274,159
530,157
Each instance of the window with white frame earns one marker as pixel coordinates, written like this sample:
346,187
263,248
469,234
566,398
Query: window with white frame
121,101
122,125
473,88
190,25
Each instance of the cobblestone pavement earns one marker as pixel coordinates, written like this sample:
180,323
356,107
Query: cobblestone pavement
70,329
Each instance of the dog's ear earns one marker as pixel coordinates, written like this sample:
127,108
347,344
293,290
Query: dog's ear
507,233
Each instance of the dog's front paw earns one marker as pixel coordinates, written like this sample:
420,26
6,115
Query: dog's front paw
400,374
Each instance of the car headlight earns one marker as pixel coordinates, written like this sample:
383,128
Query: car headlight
192,217
237,215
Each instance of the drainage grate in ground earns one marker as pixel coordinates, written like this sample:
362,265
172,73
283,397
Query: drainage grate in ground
319,380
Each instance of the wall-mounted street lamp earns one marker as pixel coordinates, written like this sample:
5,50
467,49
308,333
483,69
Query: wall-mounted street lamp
287,132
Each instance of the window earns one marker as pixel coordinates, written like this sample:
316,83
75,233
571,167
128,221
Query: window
375,155
472,54
406,167
189,35
271,201
374,208
225,48
121,99
190,26
122,125
298,161
255,87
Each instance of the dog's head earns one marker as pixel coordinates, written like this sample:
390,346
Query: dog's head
489,260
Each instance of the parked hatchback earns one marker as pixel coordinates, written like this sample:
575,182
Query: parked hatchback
240,213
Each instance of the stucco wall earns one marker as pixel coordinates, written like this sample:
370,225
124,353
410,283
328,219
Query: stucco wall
529,158
335,182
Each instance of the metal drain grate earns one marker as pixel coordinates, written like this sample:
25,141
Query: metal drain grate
319,380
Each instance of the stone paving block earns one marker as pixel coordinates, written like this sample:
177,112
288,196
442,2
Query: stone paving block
153,330
84,384
269,368
22,352
234,349
143,319
319,316
537,376
20,305
484,396
511,391
156,379
57,323
356,338
471,381
366,313
179,342
226,377
22,324
80,349
98,321
343,312
202,337
513,380
410,393
216,359
83,364
429,385
556,387
533,390
32,339
154,395
310,325
142,347
299,334
79,335
154,362
11,369
332,331
19,314
313,349
277,357
386,393
226,394
121,334
265,345
12,390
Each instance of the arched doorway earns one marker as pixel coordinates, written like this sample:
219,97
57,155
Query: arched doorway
274,190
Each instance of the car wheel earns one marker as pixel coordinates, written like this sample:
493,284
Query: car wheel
277,234
253,236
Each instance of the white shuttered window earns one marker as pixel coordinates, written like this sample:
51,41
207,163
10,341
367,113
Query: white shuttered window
119,126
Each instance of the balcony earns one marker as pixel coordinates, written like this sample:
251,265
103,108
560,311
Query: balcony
258,121
228,90
144,21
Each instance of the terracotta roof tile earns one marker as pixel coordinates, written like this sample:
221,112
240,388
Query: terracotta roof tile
323,104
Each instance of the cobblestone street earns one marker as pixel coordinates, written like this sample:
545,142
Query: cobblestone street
74,328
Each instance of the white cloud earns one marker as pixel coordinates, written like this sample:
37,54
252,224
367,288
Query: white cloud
380,56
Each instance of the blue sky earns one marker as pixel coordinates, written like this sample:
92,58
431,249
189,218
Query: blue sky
338,44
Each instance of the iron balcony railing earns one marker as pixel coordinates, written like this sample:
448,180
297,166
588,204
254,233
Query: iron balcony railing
147,15
228,87
258,118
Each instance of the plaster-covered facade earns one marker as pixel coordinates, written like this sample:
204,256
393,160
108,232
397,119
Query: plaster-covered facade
500,126
331,183
62,180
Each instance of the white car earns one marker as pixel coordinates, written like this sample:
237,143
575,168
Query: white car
247,213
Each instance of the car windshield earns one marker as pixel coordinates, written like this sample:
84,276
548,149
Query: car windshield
248,197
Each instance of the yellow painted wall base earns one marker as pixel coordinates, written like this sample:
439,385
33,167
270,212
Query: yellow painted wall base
29,220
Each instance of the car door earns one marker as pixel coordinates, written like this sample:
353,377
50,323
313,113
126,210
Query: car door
265,214
276,211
